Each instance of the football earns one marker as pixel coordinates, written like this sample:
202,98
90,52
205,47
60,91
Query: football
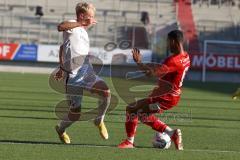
161,140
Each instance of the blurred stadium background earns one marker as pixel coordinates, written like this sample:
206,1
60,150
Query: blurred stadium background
128,23
29,43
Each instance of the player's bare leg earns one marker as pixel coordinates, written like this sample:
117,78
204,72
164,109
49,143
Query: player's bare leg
101,89
142,110
156,124
60,128
131,123
72,116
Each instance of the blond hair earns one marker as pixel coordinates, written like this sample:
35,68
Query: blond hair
84,7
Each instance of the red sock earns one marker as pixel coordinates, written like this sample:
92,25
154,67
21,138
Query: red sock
154,122
131,124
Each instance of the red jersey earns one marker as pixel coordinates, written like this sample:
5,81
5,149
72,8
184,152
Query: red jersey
171,74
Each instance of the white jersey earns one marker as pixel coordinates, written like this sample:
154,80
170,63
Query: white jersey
80,73
75,48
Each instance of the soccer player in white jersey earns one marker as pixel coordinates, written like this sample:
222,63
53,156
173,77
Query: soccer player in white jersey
78,71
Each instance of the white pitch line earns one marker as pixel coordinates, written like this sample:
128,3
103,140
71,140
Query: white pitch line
106,146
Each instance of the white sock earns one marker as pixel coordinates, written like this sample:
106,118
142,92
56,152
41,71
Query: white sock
130,139
169,131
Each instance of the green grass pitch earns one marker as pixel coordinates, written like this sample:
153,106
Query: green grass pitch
209,119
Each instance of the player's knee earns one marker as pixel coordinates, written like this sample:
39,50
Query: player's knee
101,89
130,109
104,90
107,93
104,93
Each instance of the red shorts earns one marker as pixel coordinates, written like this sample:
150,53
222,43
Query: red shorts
166,101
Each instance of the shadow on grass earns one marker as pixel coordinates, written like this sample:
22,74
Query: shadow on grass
54,143
86,145
49,118
172,123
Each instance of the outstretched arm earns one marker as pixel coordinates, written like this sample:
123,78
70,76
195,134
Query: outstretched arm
66,25
149,69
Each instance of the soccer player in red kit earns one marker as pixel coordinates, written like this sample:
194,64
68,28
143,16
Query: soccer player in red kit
172,71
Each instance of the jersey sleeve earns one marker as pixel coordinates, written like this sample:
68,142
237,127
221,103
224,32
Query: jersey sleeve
167,67
70,31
